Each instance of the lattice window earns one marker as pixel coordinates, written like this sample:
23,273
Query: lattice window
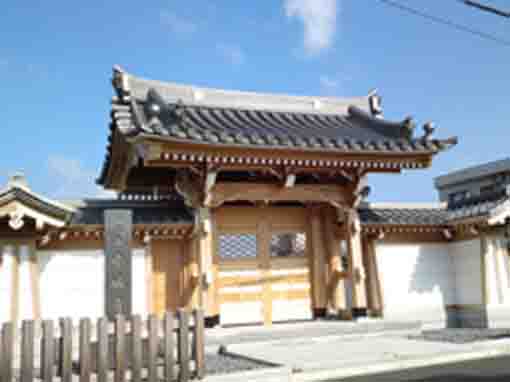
239,246
288,244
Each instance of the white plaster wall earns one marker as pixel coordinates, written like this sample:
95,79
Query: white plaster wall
6,268
140,283
416,281
466,263
26,298
71,283
498,281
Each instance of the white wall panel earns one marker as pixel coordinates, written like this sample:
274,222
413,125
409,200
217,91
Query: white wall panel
416,281
140,287
72,283
288,310
25,288
6,269
467,269
241,313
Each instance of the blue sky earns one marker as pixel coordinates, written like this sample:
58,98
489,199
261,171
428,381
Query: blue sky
56,59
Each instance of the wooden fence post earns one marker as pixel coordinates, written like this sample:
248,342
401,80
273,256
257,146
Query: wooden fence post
153,348
27,351
47,351
120,348
198,343
136,349
6,349
66,349
102,350
85,350
169,344
183,345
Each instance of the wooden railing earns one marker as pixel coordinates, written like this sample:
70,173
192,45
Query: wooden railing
170,349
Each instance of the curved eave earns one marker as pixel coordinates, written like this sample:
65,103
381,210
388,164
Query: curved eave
18,203
442,145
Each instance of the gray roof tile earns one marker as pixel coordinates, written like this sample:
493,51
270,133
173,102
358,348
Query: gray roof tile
164,213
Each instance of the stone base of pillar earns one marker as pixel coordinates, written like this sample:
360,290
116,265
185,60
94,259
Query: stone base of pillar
319,313
212,321
375,313
359,312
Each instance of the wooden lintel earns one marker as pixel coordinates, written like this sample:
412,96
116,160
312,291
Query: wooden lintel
232,191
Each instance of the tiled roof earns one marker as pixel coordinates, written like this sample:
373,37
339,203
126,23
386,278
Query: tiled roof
403,216
218,117
21,193
474,172
91,212
484,208
481,206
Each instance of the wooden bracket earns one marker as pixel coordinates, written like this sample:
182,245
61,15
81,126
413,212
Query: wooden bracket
210,181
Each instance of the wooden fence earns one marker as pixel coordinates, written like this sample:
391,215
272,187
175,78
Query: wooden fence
169,349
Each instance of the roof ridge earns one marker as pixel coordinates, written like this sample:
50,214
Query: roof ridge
406,205
128,84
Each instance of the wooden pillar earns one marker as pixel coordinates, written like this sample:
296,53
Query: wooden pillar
336,286
208,264
148,275
356,269
373,286
35,281
15,285
194,273
317,262
264,257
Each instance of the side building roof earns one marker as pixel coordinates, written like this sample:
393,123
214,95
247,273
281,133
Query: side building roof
473,172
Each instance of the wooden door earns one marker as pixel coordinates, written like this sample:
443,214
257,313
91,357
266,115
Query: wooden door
167,275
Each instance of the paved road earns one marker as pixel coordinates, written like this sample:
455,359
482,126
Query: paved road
489,370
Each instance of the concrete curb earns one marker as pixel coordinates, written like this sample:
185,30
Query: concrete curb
276,374
325,338
397,365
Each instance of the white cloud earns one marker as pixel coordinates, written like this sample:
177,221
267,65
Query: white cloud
72,180
319,22
177,24
232,53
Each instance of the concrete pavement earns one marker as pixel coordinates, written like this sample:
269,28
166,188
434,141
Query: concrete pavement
338,357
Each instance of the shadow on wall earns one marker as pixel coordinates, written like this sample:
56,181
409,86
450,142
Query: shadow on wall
432,275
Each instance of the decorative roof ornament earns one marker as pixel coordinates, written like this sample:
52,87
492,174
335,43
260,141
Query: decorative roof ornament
18,180
428,129
16,220
375,101
409,125
120,83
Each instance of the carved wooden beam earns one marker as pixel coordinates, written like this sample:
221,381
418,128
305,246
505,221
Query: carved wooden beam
188,186
230,191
